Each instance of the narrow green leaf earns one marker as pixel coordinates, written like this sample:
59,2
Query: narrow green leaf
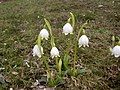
57,64
69,20
66,72
51,82
39,41
81,28
48,25
58,80
65,61
119,43
60,66
73,19
52,41
45,26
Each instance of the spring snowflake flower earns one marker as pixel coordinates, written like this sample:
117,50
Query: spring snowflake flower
36,51
83,40
11,89
44,34
54,52
67,28
116,51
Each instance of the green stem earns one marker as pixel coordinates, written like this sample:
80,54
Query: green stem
67,52
57,65
49,27
60,65
75,49
113,44
74,68
113,41
39,43
52,41
52,44
81,30
46,64
69,43
73,19
69,20
119,43
48,69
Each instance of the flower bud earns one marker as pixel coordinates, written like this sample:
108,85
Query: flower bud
119,43
113,38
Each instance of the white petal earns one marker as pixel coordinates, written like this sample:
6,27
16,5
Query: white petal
52,57
42,38
39,56
66,33
80,46
112,54
46,38
87,45
33,55
83,45
71,33
116,55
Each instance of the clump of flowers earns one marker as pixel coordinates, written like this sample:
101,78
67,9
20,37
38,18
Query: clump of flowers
62,62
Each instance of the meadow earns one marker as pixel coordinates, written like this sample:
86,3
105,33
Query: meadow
20,24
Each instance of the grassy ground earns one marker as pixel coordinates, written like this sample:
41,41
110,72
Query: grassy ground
19,27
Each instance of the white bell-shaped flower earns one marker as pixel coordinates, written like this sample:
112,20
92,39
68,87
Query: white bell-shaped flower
116,51
54,52
36,51
44,34
83,40
67,28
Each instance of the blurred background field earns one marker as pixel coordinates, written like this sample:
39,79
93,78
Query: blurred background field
20,25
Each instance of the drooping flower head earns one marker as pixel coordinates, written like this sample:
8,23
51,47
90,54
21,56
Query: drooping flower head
83,41
116,51
54,52
67,28
36,51
44,34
